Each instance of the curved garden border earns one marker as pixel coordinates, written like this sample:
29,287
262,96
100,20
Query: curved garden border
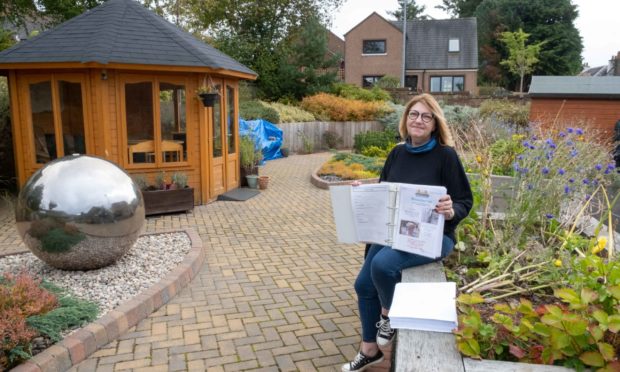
79,345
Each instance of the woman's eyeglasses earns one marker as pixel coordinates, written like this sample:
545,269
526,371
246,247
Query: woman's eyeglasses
426,117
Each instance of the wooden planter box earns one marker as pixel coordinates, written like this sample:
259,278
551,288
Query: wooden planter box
167,201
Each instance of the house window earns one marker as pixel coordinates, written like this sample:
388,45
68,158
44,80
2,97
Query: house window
454,45
373,47
448,84
145,143
217,125
411,81
370,80
230,119
57,114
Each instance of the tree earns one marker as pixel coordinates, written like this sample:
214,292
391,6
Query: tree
521,58
460,8
551,21
259,34
414,11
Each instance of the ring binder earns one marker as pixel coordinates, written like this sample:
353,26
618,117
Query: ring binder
399,215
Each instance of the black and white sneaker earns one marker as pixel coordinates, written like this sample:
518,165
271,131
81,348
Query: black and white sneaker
361,362
385,334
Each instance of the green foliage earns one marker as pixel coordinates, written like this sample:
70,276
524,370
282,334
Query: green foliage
505,111
521,58
414,11
460,8
551,21
307,143
391,119
251,110
160,180
460,117
332,139
352,91
140,181
376,152
388,82
503,154
6,39
382,140
329,107
249,154
71,313
179,179
289,113
493,91
352,166
21,296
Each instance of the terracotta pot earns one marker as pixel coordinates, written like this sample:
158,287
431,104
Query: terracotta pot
263,181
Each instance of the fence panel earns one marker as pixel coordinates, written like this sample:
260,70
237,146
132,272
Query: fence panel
294,133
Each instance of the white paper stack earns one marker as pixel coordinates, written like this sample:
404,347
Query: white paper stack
424,307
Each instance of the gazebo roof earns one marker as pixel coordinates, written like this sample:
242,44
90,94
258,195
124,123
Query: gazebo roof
120,32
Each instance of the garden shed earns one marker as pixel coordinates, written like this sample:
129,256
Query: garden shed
588,101
121,82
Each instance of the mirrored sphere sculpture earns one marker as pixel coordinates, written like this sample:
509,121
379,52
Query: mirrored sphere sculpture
80,212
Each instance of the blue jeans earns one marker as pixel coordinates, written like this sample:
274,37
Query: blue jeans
378,277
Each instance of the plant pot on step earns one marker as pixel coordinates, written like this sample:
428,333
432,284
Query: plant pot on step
263,181
252,181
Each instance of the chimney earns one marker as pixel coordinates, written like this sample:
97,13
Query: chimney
617,66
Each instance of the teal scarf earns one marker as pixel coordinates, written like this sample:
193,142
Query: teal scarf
428,146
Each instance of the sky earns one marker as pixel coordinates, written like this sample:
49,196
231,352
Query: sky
595,22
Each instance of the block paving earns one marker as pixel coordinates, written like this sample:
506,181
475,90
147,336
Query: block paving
275,292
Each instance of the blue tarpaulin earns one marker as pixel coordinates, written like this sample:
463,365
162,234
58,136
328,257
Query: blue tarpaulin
267,136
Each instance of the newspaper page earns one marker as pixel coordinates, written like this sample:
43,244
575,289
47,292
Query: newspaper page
371,213
418,228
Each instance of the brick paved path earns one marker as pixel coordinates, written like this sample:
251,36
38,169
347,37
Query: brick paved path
275,292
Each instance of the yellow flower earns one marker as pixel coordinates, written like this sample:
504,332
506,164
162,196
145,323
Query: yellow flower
479,159
580,138
601,242
558,263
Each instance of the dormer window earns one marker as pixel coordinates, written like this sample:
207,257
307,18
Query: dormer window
454,45
373,47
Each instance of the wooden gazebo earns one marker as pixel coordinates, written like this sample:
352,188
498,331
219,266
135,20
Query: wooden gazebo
120,82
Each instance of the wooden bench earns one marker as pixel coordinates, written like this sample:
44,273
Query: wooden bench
421,351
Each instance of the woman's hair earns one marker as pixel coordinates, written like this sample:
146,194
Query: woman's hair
442,131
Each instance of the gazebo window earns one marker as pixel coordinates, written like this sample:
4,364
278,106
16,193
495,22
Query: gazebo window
56,135
217,126
156,130
230,119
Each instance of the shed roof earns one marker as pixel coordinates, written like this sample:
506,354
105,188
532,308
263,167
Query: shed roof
122,32
575,86
427,43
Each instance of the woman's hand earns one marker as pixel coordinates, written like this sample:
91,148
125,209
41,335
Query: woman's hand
445,207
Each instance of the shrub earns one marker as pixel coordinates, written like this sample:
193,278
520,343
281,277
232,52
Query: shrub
382,140
388,82
329,107
290,114
391,119
354,92
376,152
331,139
506,111
460,116
20,297
503,153
352,167
493,91
252,110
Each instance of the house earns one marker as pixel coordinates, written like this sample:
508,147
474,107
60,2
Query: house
335,49
587,101
441,55
120,82
610,69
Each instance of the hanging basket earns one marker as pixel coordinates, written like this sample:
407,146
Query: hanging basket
263,181
208,99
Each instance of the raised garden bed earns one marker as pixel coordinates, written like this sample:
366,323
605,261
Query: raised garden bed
168,201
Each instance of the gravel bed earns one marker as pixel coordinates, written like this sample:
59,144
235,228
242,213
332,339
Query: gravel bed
147,262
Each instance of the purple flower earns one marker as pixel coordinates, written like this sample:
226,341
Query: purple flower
570,143
574,153
562,134
534,138
579,131
588,196
515,166
571,180
530,186
519,157
532,147
526,144
566,189
598,167
585,181
607,171
545,170
524,170
570,130
561,171
549,215
549,155
595,182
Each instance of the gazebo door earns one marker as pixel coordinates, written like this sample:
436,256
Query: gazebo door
218,171
55,110
232,128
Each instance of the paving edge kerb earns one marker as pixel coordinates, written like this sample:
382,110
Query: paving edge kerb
322,184
82,343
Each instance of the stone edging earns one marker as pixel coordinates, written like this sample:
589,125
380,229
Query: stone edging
79,345
321,184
